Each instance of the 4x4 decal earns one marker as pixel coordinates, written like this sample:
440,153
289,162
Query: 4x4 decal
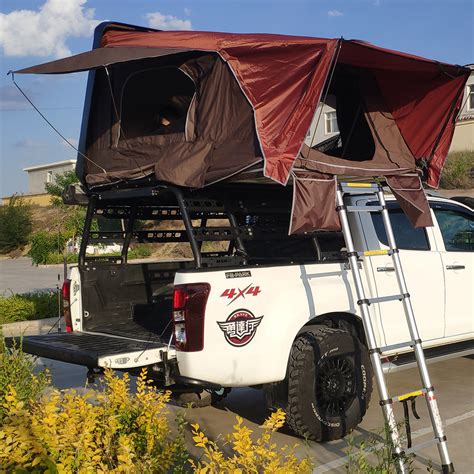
240,327
236,293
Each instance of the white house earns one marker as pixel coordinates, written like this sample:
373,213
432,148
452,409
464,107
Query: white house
463,138
324,124
39,175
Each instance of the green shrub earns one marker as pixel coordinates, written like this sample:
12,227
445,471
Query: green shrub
16,370
141,251
457,171
15,224
28,306
45,243
15,308
53,258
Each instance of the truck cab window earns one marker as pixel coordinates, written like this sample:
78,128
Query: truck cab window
457,228
406,236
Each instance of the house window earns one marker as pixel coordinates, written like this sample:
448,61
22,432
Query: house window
49,177
470,97
331,123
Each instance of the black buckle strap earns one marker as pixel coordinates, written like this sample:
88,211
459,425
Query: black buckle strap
406,413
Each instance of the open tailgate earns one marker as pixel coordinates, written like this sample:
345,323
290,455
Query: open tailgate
92,350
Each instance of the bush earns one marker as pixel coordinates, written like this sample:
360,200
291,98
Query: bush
53,258
45,243
248,455
458,171
104,431
115,430
28,306
16,370
15,224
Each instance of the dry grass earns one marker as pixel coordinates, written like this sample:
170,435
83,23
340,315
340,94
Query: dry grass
458,172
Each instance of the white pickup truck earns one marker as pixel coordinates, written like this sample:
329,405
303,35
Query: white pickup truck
256,307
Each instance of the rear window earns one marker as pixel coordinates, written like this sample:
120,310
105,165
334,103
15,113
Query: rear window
407,237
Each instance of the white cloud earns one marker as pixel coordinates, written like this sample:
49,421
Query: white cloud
334,13
44,32
187,11
167,22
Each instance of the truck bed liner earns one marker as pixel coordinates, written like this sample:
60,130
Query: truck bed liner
80,347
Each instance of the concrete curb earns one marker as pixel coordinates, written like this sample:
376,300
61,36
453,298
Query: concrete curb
31,328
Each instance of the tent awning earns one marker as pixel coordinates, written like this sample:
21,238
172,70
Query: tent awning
99,57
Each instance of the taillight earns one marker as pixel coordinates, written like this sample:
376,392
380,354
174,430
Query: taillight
189,307
66,297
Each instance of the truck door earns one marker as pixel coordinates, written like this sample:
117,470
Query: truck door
456,226
423,272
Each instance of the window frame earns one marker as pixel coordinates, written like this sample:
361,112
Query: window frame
49,176
328,120
470,95
449,207
187,135
394,206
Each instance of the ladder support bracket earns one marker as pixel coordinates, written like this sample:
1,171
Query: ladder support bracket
375,350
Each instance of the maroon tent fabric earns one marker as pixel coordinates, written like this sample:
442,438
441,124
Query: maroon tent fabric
283,78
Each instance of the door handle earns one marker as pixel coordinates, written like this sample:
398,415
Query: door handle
455,267
385,269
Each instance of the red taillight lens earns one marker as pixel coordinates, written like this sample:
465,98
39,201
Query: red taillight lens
189,308
179,298
66,294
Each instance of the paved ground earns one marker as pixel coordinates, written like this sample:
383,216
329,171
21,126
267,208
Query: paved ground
453,379
20,276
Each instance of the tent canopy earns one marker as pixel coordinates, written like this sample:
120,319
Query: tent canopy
192,108
282,78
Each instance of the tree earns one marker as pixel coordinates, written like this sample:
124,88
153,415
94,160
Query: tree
73,223
15,224
61,182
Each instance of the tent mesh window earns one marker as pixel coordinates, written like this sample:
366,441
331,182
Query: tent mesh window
354,141
155,101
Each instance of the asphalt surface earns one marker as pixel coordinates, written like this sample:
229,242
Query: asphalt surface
453,380
19,275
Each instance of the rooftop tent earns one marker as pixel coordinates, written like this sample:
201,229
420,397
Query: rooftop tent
191,108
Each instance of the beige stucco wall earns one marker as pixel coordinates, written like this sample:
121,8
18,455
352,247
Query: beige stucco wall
463,138
33,199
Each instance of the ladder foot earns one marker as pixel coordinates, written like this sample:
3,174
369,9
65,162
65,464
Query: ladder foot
447,468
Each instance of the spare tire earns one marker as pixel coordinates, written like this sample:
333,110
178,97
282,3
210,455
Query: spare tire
329,383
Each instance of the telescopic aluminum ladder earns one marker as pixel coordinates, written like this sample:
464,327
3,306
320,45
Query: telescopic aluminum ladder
344,191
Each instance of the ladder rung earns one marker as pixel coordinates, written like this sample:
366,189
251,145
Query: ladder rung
360,185
415,393
364,208
371,253
400,345
383,299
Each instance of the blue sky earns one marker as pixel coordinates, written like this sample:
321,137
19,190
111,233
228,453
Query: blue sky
32,32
